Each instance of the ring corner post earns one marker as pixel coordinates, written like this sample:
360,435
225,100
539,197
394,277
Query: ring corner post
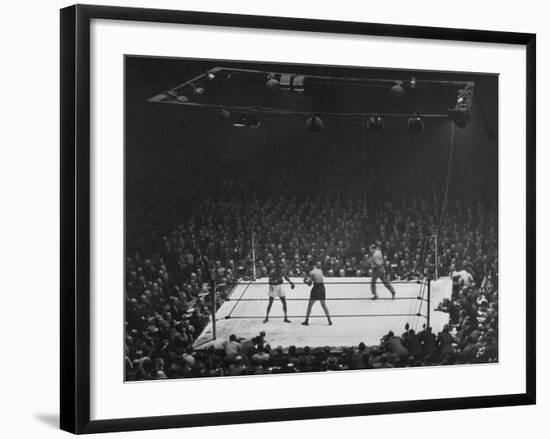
213,309
429,301
253,256
436,257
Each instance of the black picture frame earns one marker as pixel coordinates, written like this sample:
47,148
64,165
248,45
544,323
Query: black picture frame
75,216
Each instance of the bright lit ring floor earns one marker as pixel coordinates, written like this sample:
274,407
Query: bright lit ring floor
356,317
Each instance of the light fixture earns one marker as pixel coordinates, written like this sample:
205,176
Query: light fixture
173,95
272,84
292,83
415,123
375,123
397,89
314,124
197,91
412,83
211,76
461,117
298,83
252,120
461,120
224,115
248,120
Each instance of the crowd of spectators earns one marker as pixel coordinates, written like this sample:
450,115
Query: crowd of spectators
173,254
241,356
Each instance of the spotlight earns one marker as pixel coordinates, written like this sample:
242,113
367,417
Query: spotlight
197,91
223,75
298,83
314,124
416,124
248,120
172,95
211,76
460,117
224,115
412,83
397,89
272,84
252,120
292,83
375,123
461,122
285,81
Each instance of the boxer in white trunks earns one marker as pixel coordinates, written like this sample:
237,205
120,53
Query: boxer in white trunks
276,278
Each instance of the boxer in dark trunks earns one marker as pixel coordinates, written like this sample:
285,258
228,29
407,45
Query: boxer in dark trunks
316,278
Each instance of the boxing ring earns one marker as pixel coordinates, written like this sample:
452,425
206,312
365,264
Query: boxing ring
356,316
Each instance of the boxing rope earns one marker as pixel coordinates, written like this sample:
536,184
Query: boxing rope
424,290
289,299
332,316
333,282
423,299
239,299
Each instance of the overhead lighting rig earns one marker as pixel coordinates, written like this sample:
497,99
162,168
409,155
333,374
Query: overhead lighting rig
201,92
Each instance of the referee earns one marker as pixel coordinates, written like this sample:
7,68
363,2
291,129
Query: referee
378,272
318,292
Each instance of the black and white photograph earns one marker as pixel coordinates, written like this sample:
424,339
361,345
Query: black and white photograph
274,219
295,218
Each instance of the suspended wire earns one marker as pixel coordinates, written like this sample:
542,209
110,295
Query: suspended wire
364,171
448,179
424,252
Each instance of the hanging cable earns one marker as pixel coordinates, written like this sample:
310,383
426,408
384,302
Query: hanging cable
448,179
424,253
363,170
